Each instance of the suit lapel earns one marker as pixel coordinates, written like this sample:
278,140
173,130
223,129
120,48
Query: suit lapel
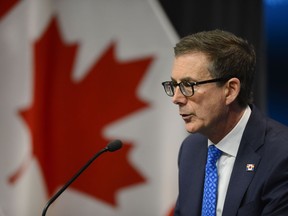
191,174
198,177
240,180
252,140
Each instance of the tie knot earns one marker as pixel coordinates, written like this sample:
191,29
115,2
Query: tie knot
213,154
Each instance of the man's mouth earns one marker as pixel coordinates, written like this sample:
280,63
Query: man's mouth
186,117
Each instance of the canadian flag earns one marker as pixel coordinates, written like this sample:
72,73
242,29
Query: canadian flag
74,76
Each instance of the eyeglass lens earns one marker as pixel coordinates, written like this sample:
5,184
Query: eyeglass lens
185,87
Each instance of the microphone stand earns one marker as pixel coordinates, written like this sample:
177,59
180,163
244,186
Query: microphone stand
53,198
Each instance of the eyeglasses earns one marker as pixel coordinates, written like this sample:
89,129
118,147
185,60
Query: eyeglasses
187,88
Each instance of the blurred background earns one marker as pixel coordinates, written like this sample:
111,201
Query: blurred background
76,75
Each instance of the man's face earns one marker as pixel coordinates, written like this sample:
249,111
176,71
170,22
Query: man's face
205,111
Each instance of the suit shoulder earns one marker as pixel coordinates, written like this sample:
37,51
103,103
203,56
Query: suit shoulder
277,129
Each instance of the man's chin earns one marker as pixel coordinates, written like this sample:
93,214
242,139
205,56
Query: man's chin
191,129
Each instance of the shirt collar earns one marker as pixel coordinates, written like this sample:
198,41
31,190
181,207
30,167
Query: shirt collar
230,143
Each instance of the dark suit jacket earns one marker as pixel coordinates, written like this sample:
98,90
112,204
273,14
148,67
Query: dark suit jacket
263,191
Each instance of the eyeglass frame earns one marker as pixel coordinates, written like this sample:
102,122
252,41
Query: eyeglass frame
192,84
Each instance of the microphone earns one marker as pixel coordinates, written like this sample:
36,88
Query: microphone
111,147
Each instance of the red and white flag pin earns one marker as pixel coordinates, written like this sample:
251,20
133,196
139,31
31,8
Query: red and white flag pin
250,167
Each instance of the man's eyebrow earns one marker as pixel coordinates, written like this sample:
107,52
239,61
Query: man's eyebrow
172,79
187,79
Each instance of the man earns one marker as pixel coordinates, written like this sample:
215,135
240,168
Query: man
211,83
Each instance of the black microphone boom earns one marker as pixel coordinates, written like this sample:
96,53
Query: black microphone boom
111,147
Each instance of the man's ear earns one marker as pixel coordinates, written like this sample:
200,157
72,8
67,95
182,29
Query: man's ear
232,89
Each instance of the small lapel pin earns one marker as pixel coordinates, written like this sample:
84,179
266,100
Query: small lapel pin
250,167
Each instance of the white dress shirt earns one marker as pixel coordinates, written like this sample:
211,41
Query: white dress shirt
229,146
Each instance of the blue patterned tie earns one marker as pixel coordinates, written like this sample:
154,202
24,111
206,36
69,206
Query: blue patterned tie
211,182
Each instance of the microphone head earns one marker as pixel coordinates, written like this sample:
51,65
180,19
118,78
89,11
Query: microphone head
114,145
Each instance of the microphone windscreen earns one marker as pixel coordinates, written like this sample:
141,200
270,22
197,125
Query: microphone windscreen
114,145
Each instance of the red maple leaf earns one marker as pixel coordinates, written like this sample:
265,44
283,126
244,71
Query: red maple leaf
67,118
171,211
6,6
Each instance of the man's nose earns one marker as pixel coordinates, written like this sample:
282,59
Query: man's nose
178,97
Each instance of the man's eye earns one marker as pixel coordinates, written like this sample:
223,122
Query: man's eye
186,84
